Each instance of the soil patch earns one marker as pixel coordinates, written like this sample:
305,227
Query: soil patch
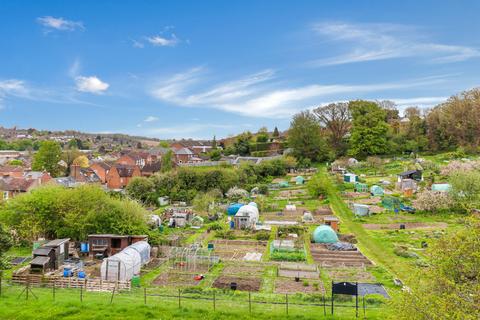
243,283
305,286
176,279
351,275
408,225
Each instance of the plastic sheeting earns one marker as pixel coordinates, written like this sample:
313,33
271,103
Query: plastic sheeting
249,211
127,263
324,234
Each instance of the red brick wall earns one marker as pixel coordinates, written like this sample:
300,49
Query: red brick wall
100,171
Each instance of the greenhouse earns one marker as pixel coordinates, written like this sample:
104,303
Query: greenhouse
361,187
441,187
233,208
143,248
125,264
361,209
253,204
376,191
299,180
247,216
283,184
324,234
391,203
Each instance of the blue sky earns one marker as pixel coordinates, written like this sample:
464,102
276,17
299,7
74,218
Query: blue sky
172,69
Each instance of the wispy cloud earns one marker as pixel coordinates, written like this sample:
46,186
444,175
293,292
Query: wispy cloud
258,95
150,119
196,131
423,102
161,41
165,38
51,23
91,84
369,42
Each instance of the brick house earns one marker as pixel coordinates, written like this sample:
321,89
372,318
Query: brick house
183,155
101,169
196,146
10,186
120,175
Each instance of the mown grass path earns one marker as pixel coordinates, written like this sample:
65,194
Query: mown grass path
374,250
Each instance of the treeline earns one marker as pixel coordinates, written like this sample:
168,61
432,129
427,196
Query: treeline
57,212
363,128
184,184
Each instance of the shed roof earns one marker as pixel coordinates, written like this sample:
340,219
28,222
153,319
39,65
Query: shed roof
41,261
56,242
42,251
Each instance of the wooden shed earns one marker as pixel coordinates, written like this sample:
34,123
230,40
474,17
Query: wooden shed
106,245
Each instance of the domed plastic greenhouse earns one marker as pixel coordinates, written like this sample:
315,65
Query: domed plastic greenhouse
127,263
324,234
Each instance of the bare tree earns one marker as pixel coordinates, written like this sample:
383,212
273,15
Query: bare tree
335,117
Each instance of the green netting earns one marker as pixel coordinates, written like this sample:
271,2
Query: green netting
376,190
361,187
390,203
324,234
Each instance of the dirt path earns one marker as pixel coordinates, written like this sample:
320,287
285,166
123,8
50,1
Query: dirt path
408,225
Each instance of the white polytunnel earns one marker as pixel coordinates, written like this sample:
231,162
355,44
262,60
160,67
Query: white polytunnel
143,248
127,263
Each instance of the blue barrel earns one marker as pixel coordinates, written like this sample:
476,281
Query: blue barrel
67,272
81,274
233,209
84,247
232,224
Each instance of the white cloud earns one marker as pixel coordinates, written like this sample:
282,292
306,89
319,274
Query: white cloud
51,23
91,84
161,41
423,102
150,119
369,42
253,95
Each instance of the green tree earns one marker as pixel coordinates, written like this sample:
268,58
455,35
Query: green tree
57,212
262,135
369,129
215,155
5,244
167,161
141,189
242,144
449,288
276,134
465,189
214,143
306,139
47,158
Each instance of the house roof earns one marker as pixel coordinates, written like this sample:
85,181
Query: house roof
194,143
124,170
184,151
102,164
152,167
16,184
11,169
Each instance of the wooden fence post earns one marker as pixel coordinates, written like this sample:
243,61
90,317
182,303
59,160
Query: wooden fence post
113,293
27,285
214,300
179,303
364,309
324,306
53,288
286,303
145,295
1,275
250,301
81,293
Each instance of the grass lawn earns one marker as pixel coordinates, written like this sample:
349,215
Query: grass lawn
131,306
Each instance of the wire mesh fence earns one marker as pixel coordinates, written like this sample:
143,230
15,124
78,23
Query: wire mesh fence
207,299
